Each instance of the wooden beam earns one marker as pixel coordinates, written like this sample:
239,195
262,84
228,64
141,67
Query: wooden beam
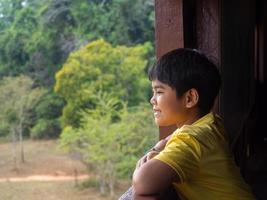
237,52
191,24
169,25
169,35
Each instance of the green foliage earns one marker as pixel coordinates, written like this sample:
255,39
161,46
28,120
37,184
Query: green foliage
18,98
99,66
111,140
50,106
4,129
45,129
8,9
92,182
36,37
47,113
95,81
118,21
37,40
13,40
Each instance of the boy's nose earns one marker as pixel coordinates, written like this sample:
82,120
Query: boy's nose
152,100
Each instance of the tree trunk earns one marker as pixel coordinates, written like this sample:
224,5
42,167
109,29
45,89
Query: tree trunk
21,148
14,148
21,137
102,185
21,145
111,187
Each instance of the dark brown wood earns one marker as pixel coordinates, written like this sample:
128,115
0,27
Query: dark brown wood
191,24
237,61
233,33
207,26
169,35
169,25
261,42
208,33
264,24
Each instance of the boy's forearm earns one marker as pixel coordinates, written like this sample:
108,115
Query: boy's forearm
140,196
147,191
152,197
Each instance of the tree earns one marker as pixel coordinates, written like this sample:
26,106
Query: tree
118,21
47,113
37,39
111,139
8,9
100,66
17,100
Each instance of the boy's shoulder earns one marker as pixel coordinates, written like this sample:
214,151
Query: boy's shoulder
207,130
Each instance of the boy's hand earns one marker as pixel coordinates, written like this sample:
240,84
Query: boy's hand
148,156
153,152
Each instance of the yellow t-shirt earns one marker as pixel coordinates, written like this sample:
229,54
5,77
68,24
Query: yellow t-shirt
200,155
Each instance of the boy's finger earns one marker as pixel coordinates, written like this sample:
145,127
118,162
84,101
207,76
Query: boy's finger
144,160
151,155
140,162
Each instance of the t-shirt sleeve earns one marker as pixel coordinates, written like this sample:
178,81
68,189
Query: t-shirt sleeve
182,153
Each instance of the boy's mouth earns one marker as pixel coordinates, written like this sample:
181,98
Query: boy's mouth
156,112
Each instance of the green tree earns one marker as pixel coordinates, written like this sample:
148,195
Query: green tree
36,37
17,100
110,139
118,21
47,113
8,9
37,40
100,66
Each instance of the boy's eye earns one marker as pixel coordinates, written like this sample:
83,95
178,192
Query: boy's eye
157,92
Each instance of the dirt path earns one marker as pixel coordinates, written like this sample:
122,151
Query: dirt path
43,178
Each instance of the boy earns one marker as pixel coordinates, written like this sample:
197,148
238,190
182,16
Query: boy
195,159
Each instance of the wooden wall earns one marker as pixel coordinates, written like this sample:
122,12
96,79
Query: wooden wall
224,30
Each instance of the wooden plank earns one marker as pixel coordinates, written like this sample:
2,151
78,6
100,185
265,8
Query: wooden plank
169,35
262,40
208,33
169,25
237,52
191,24
208,27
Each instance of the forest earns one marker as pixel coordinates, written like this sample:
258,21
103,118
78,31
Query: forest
76,72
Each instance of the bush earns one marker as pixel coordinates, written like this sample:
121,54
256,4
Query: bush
110,140
4,129
45,129
99,66
50,107
47,113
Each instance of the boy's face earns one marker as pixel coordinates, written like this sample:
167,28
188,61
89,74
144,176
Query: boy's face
168,109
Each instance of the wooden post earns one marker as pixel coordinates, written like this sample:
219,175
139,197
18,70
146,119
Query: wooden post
169,35
191,24
169,25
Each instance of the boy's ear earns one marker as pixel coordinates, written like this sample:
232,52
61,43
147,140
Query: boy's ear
191,98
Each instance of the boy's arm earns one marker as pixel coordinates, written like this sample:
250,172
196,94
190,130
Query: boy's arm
152,179
153,152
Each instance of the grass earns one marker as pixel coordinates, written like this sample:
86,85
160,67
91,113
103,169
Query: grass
47,191
43,158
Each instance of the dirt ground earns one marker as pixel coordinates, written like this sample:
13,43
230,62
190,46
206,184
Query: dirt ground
47,174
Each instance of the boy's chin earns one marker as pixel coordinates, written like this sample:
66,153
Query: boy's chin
161,122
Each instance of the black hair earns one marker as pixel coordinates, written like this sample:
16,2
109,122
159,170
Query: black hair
183,69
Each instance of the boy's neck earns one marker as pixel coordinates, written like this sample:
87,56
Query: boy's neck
190,119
